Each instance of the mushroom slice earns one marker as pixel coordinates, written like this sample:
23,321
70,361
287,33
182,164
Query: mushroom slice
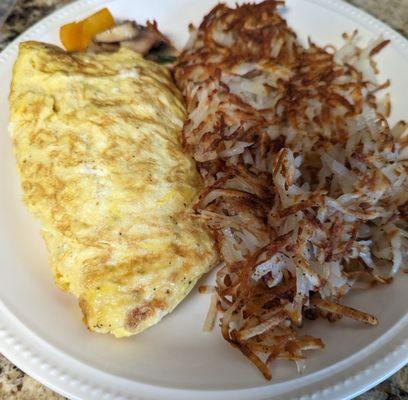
97,47
127,30
151,43
142,44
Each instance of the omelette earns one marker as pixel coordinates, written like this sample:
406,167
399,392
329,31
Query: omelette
97,139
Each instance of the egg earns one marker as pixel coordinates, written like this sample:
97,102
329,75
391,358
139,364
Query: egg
97,139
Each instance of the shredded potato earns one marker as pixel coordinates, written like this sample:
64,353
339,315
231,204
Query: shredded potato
212,313
306,183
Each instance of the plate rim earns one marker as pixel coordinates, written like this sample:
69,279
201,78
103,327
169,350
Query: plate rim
13,333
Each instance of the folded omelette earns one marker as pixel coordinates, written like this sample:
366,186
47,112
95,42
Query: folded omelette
97,138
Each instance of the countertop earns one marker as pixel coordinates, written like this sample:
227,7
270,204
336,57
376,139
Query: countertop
14,384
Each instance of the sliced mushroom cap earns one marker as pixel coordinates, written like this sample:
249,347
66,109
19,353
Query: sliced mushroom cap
95,47
127,30
143,43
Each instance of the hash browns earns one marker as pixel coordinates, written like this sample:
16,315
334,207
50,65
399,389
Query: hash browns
306,183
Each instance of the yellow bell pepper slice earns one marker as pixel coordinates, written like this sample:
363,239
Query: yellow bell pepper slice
76,36
72,37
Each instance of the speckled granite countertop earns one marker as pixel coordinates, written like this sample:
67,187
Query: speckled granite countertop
16,385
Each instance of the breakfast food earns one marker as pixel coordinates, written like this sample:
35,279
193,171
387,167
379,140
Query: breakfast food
97,138
306,183
99,32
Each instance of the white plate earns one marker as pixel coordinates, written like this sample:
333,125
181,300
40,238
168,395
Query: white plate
41,329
